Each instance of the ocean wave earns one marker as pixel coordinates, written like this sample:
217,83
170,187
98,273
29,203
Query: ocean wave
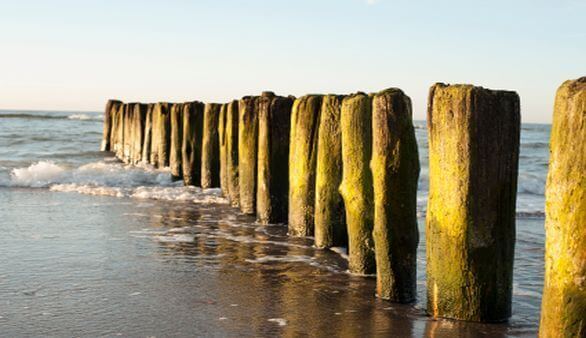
28,116
110,179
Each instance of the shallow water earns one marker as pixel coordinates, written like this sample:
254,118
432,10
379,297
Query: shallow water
94,248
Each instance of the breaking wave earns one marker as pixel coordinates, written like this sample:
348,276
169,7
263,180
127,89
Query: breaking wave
29,116
110,179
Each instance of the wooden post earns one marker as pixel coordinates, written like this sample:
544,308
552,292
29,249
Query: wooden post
115,132
192,138
138,129
563,308
222,143
395,171
154,158
330,218
470,234
175,149
128,128
148,134
119,145
247,151
273,156
210,160
232,153
162,110
356,188
111,106
302,163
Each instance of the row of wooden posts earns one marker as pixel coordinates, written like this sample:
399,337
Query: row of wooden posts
344,169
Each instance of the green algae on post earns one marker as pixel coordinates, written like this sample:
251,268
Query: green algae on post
395,171
470,231
210,160
273,155
111,106
302,163
356,187
175,148
232,153
222,144
247,151
330,218
191,145
563,308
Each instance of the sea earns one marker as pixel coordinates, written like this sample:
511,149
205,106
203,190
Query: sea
90,247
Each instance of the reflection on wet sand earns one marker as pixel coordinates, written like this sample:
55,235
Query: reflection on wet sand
270,284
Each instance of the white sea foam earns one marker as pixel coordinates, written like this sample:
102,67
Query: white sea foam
280,321
86,117
106,178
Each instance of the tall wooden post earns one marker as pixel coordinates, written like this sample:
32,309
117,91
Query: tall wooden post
162,110
138,129
148,134
111,106
176,140
191,143
247,151
222,144
210,161
470,235
232,153
330,217
302,163
395,171
273,156
356,187
563,308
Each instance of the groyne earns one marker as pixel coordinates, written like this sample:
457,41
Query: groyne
343,169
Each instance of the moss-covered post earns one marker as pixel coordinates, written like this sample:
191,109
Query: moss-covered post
356,187
470,231
563,308
210,160
148,134
395,171
138,129
302,163
162,110
273,158
192,138
330,218
232,153
247,151
176,145
222,145
111,105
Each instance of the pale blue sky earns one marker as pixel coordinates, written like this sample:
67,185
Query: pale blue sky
76,54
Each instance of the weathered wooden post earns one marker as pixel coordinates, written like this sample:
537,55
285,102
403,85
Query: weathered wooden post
164,114
148,134
273,156
470,234
210,160
175,149
302,163
247,151
154,158
232,153
114,133
330,218
111,106
128,126
395,171
563,308
192,138
119,145
222,144
356,187
138,129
